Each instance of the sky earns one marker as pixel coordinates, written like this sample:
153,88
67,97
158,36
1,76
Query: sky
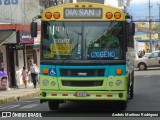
143,1
140,11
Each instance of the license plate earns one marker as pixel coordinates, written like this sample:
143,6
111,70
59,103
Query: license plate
81,94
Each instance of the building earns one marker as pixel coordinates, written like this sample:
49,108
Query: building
142,38
16,44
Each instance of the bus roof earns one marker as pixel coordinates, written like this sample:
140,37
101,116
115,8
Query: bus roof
83,11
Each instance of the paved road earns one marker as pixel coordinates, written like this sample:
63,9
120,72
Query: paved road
147,98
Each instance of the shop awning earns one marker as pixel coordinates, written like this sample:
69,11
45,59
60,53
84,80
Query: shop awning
4,35
6,30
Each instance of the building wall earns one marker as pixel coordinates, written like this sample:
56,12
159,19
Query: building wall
116,3
18,11
18,69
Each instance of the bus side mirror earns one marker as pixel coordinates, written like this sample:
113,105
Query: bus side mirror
45,30
33,29
131,29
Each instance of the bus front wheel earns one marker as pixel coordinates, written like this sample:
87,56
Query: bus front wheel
122,105
53,105
131,91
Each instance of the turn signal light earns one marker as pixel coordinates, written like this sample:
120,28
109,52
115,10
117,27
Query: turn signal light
56,15
109,15
117,15
48,15
76,5
109,95
89,5
45,71
119,71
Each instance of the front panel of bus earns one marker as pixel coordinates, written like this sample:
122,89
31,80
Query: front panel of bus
83,54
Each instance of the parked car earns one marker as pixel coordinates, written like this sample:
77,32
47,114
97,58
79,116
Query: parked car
147,54
152,60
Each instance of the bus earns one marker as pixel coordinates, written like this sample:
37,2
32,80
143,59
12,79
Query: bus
86,54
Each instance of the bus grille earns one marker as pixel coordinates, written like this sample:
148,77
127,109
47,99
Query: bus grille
82,83
82,72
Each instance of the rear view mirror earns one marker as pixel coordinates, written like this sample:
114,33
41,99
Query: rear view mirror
33,29
131,29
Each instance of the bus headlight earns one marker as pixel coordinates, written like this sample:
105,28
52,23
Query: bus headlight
45,82
118,82
53,83
111,84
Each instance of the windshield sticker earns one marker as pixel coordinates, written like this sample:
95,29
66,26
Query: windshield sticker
48,55
61,49
52,71
103,54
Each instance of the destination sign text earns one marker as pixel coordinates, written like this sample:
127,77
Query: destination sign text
78,13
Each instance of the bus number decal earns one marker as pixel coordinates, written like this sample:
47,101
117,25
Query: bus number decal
103,54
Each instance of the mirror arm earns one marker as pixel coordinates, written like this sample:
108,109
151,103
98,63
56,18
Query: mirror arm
36,17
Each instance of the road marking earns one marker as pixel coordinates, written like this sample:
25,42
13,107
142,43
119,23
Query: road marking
147,75
9,107
27,101
28,106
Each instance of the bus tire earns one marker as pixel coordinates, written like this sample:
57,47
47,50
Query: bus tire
131,88
53,105
131,92
122,105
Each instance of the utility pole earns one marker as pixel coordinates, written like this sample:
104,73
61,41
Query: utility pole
159,23
150,26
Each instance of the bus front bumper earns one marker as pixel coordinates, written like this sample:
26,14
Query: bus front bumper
83,95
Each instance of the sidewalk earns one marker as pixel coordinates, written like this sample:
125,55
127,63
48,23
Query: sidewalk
14,94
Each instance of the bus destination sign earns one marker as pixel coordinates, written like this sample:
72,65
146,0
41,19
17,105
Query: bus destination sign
77,13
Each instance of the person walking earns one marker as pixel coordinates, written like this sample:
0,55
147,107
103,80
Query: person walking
34,72
25,76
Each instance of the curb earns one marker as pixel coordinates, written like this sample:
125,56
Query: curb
20,97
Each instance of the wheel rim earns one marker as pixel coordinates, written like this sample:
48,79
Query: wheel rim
141,66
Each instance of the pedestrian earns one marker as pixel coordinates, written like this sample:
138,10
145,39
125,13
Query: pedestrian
140,54
34,72
25,76
143,52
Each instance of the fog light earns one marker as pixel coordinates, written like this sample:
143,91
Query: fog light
118,82
120,95
110,83
45,82
53,83
44,94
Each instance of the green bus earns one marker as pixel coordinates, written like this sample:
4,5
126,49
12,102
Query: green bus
86,54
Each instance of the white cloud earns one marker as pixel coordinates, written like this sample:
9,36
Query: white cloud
143,1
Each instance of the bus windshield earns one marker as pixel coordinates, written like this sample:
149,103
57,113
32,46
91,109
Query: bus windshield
82,40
